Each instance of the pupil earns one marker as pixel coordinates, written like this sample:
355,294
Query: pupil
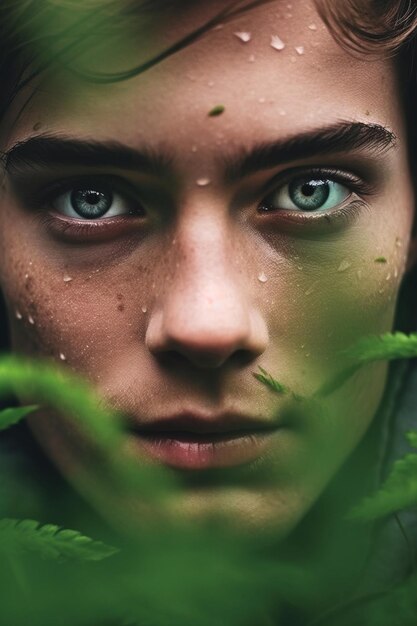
308,190
90,203
309,195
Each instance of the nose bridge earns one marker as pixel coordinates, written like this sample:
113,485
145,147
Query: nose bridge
205,312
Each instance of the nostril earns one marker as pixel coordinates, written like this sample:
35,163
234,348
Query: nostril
181,359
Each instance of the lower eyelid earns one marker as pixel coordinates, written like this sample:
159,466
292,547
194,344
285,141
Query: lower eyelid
336,218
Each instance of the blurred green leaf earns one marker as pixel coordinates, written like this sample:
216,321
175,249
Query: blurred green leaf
398,492
9,417
50,541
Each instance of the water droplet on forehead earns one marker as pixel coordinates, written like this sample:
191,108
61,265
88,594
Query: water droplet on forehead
18,314
244,36
277,43
144,309
262,277
299,50
344,266
67,278
203,182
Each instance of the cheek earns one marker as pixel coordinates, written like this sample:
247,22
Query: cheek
327,293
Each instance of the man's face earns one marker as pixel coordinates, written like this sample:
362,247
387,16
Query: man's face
183,250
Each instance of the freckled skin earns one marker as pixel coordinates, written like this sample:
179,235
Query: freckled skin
189,284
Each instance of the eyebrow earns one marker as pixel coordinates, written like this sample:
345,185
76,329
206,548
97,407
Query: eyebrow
56,151
61,151
340,137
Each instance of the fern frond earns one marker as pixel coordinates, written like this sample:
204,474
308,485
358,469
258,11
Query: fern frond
384,348
398,492
266,379
12,416
50,541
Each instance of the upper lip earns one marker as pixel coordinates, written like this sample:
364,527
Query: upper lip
202,424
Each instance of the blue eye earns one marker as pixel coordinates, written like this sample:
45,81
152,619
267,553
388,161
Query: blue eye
307,194
91,203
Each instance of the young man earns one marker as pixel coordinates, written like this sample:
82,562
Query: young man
246,202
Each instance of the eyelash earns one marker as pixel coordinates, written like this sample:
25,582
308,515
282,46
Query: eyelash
348,179
84,228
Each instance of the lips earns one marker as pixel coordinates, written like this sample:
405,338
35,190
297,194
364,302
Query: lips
193,442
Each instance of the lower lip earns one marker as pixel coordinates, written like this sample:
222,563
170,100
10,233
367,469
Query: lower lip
220,451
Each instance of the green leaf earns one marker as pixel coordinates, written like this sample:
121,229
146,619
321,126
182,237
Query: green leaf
266,379
398,492
50,541
217,110
9,417
412,438
384,348
381,259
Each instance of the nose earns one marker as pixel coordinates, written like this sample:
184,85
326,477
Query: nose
206,314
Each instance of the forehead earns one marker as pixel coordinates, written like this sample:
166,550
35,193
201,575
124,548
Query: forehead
308,81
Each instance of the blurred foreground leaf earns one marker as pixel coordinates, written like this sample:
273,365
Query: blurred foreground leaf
398,492
9,417
50,541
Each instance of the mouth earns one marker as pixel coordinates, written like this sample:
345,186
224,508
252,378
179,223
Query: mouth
189,442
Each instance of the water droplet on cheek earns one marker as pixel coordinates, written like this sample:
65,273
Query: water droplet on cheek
62,356
262,277
244,36
344,266
67,278
299,50
144,309
31,320
277,43
18,315
203,182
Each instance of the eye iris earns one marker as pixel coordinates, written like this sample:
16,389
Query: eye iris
91,203
308,194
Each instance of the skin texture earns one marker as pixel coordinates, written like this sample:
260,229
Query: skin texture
174,310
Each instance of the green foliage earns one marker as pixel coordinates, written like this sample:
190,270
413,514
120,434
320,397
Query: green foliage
398,492
172,573
9,417
266,379
386,347
49,541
